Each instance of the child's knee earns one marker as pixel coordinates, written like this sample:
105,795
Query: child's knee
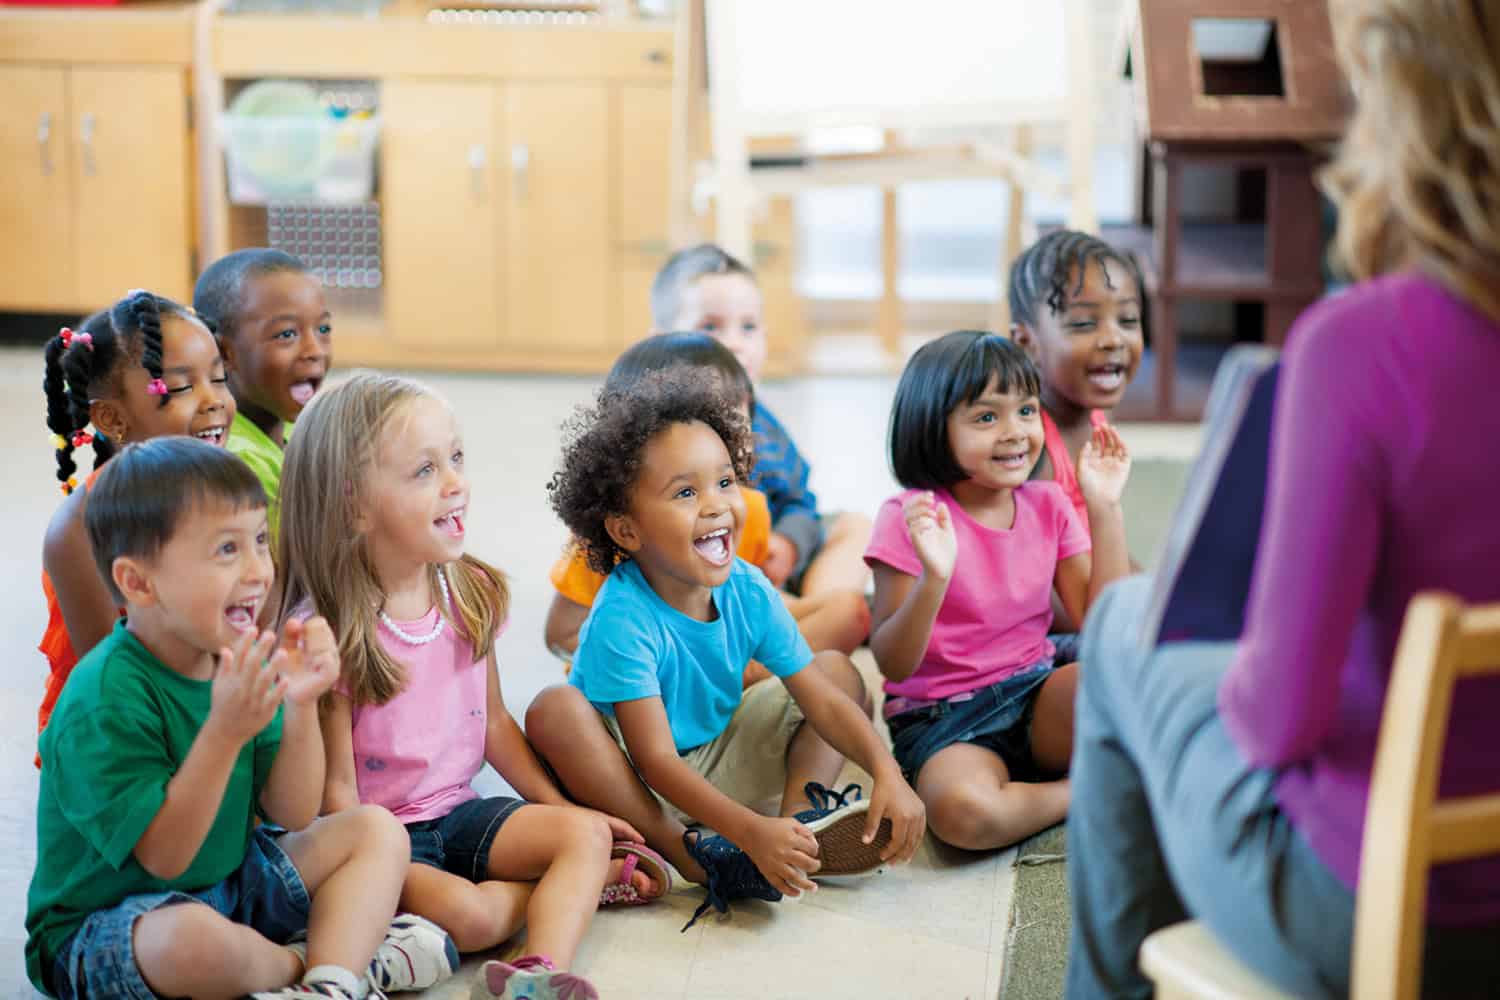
191,940
474,922
960,816
583,833
851,527
854,615
375,830
555,712
842,671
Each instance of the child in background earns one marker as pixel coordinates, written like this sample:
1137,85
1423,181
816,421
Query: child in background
376,476
142,368
965,563
175,731
1075,306
274,329
834,620
705,289
655,726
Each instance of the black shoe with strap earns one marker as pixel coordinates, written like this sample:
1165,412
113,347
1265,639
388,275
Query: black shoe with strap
730,872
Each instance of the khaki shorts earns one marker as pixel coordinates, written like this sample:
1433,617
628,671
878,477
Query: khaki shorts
747,761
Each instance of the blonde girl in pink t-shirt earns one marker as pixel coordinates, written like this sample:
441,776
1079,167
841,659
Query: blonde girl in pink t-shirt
375,501
966,560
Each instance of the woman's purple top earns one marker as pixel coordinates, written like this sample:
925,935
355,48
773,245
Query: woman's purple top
1384,481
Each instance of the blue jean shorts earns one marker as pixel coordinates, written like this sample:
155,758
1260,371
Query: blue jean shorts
997,717
266,894
459,843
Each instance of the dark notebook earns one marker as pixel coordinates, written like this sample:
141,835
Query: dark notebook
1202,580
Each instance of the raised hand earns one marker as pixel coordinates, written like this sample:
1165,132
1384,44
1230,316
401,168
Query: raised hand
308,660
246,689
1104,466
930,529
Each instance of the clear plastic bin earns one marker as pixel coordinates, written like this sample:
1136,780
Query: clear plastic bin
308,158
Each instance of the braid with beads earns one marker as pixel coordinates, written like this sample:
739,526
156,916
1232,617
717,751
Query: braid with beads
145,316
59,412
1040,274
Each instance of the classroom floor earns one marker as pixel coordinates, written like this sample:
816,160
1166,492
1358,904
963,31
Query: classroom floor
937,928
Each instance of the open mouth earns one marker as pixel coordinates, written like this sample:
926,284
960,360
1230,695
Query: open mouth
714,546
241,615
1107,378
302,392
452,523
213,435
1015,460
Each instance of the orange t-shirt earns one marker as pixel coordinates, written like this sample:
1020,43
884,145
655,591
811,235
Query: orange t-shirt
55,644
578,583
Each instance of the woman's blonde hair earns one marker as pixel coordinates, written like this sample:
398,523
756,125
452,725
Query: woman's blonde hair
1417,179
325,561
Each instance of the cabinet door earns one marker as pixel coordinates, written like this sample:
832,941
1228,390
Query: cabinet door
36,237
643,171
557,218
437,178
131,186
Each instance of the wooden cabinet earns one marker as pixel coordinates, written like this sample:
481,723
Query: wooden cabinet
95,155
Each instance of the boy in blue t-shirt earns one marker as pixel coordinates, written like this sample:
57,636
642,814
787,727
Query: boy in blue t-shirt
654,727
152,877
704,288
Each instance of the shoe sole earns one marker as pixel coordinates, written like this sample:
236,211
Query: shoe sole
841,846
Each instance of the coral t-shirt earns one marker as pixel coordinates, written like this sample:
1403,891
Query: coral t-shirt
994,619
1064,470
574,580
55,644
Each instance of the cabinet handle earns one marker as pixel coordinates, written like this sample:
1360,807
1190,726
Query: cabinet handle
44,142
520,165
86,136
477,160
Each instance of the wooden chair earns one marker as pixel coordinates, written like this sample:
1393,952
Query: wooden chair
1407,829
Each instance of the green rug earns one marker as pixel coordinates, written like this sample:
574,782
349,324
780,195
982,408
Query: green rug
1036,953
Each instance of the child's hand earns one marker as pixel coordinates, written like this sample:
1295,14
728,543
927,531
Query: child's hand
246,690
618,828
781,557
308,660
1103,466
785,851
894,800
930,529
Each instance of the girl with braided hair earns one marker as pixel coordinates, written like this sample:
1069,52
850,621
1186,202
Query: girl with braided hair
143,368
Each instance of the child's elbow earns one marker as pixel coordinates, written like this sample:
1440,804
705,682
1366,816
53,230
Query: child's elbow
163,868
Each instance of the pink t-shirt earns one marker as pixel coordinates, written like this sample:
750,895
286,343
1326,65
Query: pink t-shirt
994,619
417,753
1064,471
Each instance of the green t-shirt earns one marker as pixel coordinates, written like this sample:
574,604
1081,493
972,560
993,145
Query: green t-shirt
264,457
121,729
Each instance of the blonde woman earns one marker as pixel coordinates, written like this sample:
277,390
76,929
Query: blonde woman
1228,781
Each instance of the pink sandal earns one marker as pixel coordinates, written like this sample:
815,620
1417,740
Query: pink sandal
622,891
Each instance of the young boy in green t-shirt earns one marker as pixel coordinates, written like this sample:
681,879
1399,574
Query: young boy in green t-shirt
152,876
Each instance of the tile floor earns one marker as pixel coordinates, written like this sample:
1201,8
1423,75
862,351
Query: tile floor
934,929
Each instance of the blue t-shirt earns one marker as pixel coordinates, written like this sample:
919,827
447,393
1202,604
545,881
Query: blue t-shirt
635,645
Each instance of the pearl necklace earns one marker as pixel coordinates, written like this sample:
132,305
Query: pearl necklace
437,630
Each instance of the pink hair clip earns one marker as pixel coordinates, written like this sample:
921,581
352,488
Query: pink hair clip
82,438
68,338
156,387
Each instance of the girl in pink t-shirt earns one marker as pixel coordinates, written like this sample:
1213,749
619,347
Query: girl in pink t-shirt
375,500
966,560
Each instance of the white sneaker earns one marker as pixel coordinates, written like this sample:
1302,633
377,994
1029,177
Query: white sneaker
415,955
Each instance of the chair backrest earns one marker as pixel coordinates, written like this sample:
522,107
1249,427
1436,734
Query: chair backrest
1407,829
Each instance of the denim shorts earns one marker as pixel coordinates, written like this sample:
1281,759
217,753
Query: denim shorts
460,842
97,961
997,718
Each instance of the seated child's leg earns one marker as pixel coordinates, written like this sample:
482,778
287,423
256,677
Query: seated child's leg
353,864
1052,720
973,803
189,949
809,757
838,619
840,562
568,733
567,851
476,915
